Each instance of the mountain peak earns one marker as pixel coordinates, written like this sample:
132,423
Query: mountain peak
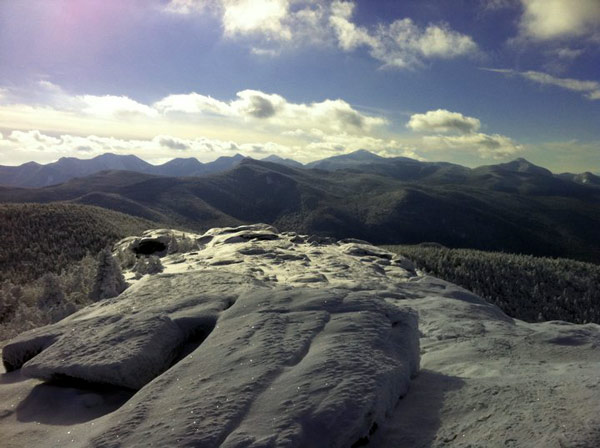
280,160
362,154
522,165
349,160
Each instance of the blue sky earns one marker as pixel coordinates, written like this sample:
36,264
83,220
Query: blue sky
468,81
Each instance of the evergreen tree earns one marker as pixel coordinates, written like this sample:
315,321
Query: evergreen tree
109,281
8,301
148,265
52,293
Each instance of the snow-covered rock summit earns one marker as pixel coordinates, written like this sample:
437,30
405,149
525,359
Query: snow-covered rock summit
262,253
249,337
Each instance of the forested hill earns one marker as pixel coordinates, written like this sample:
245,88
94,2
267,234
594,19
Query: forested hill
514,207
529,288
41,238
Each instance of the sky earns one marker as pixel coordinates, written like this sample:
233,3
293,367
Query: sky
473,82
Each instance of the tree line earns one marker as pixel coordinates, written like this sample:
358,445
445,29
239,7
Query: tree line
529,288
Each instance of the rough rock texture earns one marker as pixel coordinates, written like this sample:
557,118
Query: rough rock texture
254,338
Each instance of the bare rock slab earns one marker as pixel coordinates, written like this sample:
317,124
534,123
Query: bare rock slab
243,354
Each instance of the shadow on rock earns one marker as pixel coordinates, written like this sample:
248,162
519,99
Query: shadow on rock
55,404
417,417
12,377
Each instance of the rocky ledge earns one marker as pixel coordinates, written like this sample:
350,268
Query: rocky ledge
248,337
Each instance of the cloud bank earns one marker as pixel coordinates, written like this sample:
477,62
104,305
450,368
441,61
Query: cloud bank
274,110
56,123
453,130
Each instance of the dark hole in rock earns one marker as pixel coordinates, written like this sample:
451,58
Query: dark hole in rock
373,428
229,303
363,441
196,331
149,247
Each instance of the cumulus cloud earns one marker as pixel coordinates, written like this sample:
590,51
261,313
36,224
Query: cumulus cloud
256,16
544,20
113,106
255,121
442,120
51,147
463,134
23,146
275,110
264,111
33,139
172,143
402,43
493,146
589,89
191,103
273,24
348,34
257,104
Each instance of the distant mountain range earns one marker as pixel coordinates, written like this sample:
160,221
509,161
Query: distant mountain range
33,174
515,207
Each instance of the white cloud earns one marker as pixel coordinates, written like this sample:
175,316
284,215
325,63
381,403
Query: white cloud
348,34
193,123
494,5
589,89
555,19
186,6
328,144
274,110
569,53
401,44
25,146
464,135
113,106
191,103
32,138
268,52
571,155
274,24
268,23
493,146
442,120
256,16
162,146
49,86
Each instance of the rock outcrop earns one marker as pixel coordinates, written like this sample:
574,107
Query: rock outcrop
254,338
